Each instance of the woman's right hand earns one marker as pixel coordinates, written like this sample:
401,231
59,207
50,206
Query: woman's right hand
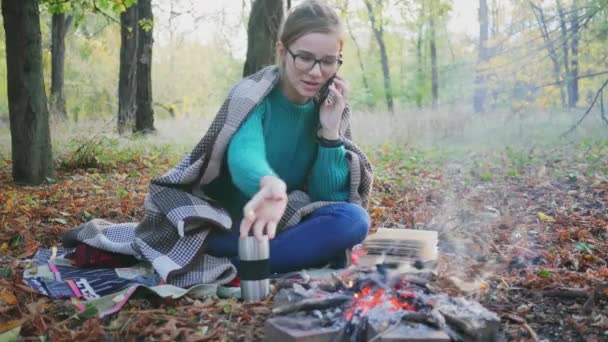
264,211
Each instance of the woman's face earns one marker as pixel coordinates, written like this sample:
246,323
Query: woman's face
309,62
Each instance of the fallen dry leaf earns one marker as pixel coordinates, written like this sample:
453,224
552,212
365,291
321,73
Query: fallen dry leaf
30,249
545,218
8,297
10,325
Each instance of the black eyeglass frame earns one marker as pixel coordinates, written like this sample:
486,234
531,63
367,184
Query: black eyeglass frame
316,61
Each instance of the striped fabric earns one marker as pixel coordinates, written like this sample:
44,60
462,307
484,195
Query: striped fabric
178,214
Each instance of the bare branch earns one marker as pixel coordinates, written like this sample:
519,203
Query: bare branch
597,95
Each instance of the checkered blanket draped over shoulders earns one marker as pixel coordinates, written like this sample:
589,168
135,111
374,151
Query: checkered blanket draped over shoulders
178,215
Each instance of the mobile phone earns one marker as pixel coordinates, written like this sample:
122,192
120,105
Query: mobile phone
324,91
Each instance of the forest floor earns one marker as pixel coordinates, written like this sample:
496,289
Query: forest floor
523,231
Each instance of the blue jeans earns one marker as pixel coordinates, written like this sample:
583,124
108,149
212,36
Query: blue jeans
319,238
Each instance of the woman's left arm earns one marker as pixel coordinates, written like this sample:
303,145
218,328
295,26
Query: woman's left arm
330,176
329,179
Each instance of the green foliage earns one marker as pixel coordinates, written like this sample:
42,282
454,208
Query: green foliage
544,273
516,161
404,164
593,152
107,152
64,6
5,272
94,153
183,86
486,176
583,247
80,9
146,24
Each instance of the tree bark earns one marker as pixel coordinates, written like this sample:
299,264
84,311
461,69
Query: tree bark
565,52
60,23
433,48
27,102
262,34
366,86
479,97
379,34
419,60
127,83
540,17
144,117
574,27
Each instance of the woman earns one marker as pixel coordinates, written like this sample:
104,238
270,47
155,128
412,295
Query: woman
291,142
272,160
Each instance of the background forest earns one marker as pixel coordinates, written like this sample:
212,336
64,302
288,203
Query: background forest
484,120
440,68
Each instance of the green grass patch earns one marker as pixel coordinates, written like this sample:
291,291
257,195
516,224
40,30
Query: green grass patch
403,164
106,153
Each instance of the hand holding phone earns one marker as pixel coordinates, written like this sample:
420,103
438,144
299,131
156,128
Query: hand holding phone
324,91
330,111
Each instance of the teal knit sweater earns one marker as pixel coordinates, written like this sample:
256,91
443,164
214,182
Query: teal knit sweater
279,139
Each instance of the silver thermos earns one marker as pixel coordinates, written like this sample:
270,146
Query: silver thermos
254,268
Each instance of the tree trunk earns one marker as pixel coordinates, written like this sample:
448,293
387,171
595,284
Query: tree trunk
540,17
495,15
144,117
574,27
60,25
420,86
368,90
28,112
479,96
378,32
127,83
262,34
433,48
565,50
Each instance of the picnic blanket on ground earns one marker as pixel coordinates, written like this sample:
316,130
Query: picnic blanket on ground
178,215
107,289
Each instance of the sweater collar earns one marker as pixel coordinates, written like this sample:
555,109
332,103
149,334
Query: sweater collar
277,96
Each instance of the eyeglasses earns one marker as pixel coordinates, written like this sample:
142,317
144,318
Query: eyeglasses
306,61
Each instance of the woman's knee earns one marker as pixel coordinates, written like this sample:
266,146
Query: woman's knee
356,221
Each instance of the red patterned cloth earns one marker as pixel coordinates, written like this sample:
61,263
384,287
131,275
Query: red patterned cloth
88,256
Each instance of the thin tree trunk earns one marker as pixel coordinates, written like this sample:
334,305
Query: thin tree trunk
144,117
60,23
540,17
479,96
378,33
127,83
433,48
420,86
574,27
366,86
494,28
565,52
262,34
28,112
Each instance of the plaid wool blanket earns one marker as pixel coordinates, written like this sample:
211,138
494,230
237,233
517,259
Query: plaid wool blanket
178,215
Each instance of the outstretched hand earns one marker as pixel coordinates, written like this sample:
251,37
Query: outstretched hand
264,211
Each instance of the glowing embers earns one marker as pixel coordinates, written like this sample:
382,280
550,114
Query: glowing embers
371,298
363,304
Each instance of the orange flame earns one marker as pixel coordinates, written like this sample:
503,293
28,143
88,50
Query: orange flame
368,299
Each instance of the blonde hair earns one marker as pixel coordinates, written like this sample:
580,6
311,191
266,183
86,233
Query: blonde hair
310,16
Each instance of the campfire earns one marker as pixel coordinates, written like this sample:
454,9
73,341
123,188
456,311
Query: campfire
366,304
375,303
